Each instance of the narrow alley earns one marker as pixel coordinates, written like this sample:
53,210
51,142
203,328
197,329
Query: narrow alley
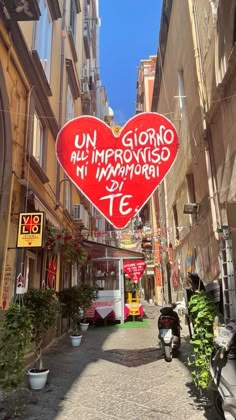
118,373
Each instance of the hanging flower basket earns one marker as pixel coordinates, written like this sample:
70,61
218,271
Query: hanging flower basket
68,246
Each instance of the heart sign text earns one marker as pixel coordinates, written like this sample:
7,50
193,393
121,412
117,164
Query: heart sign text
134,269
118,174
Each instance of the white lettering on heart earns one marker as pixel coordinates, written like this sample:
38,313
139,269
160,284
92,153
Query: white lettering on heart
121,203
150,136
85,141
118,174
147,160
148,171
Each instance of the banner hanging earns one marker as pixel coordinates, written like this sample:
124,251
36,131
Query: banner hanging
117,173
134,269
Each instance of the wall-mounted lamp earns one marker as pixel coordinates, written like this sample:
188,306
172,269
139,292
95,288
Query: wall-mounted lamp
191,208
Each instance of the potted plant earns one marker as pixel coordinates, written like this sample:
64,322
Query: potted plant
87,294
44,308
70,300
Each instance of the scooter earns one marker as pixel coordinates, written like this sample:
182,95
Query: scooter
169,330
223,371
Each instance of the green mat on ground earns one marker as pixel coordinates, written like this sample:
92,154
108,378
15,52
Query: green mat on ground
128,324
133,324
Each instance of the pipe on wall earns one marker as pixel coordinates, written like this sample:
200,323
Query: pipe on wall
62,65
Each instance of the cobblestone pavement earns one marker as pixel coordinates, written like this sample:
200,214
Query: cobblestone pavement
117,374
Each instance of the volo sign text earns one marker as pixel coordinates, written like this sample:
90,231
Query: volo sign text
118,174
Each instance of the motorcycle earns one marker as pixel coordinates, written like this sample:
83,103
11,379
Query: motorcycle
223,371
169,330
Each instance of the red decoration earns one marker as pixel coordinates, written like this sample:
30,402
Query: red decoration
175,274
52,269
134,269
118,174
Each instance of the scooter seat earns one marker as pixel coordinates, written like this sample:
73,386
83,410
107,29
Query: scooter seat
167,308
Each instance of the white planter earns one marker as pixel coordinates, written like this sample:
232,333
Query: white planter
84,326
37,380
76,340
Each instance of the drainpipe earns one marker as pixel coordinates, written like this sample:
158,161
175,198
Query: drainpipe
27,136
61,91
204,104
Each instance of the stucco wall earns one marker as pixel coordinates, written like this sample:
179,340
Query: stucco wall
194,233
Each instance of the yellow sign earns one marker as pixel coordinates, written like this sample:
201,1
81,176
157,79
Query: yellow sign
30,230
134,309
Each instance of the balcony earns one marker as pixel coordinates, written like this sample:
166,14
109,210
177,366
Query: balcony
23,10
86,105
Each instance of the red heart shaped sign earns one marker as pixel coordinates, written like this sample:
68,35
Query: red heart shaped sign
134,269
117,174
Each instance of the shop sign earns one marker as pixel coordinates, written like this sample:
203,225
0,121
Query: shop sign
117,172
30,230
134,269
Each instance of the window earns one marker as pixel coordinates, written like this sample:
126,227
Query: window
73,13
43,37
70,112
38,140
67,195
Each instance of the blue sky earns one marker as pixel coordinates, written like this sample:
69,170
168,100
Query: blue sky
129,33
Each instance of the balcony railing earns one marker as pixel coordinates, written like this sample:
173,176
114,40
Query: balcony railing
23,10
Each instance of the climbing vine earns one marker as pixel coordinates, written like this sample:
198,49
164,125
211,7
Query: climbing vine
203,311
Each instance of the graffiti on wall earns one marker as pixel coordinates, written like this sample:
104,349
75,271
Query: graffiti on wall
190,261
7,281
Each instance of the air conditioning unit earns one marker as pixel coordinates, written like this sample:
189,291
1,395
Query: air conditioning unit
85,87
84,72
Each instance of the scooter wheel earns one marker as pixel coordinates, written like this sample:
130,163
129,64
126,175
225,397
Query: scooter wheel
168,353
218,403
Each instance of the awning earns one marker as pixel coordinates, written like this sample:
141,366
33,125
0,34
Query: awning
98,250
39,206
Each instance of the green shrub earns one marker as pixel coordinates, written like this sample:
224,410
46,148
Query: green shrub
44,309
203,311
17,329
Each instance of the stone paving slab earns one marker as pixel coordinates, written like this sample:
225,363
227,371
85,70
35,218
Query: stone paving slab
117,374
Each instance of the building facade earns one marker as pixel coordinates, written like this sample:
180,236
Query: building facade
147,219
49,74
195,89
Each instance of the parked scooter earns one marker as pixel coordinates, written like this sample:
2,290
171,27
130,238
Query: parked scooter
223,371
169,330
